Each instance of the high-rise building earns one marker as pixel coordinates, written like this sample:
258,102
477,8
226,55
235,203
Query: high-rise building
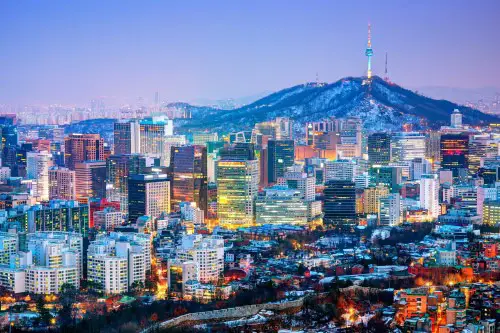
480,147
189,175
301,181
83,147
433,146
118,170
152,135
126,137
280,156
379,148
454,152
59,215
281,205
206,252
339,205
201,138
456,119
340,170
90,180
117,260
407,146
38,164
107,219
371,198
171,141
491,212
390,212
62,184
148,194
389,176
429,194
237,186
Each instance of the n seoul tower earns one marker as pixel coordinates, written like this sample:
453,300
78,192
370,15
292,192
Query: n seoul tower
369,52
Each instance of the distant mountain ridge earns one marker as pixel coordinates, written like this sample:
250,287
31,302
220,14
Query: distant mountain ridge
381,105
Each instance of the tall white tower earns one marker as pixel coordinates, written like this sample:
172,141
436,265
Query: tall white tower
456,119
429,194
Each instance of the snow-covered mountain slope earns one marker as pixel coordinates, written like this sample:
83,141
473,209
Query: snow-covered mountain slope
381,106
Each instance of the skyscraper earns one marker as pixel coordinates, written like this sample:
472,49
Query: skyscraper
407,146
429,194
148,194
118,169
90,180
152,135
126,137
454,152
62,184
390,212
237,186
83,147
37,168
188,175
379,148
456,119
280,156
340,202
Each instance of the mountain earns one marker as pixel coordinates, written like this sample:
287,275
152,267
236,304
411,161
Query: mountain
381,105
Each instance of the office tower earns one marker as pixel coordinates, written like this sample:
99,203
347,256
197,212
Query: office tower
300,181
481,147
389,176
90,180
340,170
189,212
407,146
280,205
280,156
280,128
456,119
454,152
485,193
433,146
83,147
148,194
491,213
390,212
339,205
59,215
317,129
371,198
188,175
206,252
117,261
418,167
238,151
152,135
379,148
126,137
171,141
118,169
350,138
62,184
237,186
107,219
37,168
243,136
429,194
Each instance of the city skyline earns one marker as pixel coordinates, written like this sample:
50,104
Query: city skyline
69,54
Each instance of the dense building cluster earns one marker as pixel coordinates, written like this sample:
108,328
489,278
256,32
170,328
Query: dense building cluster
202,217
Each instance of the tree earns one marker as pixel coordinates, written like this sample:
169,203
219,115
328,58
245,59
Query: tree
43,312
137,287
67,298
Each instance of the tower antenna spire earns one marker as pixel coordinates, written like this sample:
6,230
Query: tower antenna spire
369,52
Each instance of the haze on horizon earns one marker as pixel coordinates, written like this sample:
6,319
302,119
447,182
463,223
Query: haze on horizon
71,52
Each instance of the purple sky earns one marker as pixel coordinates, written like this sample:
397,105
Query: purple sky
71,52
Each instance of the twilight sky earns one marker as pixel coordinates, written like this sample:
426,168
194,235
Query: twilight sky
72,51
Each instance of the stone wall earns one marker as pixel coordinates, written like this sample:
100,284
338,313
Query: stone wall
229,313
